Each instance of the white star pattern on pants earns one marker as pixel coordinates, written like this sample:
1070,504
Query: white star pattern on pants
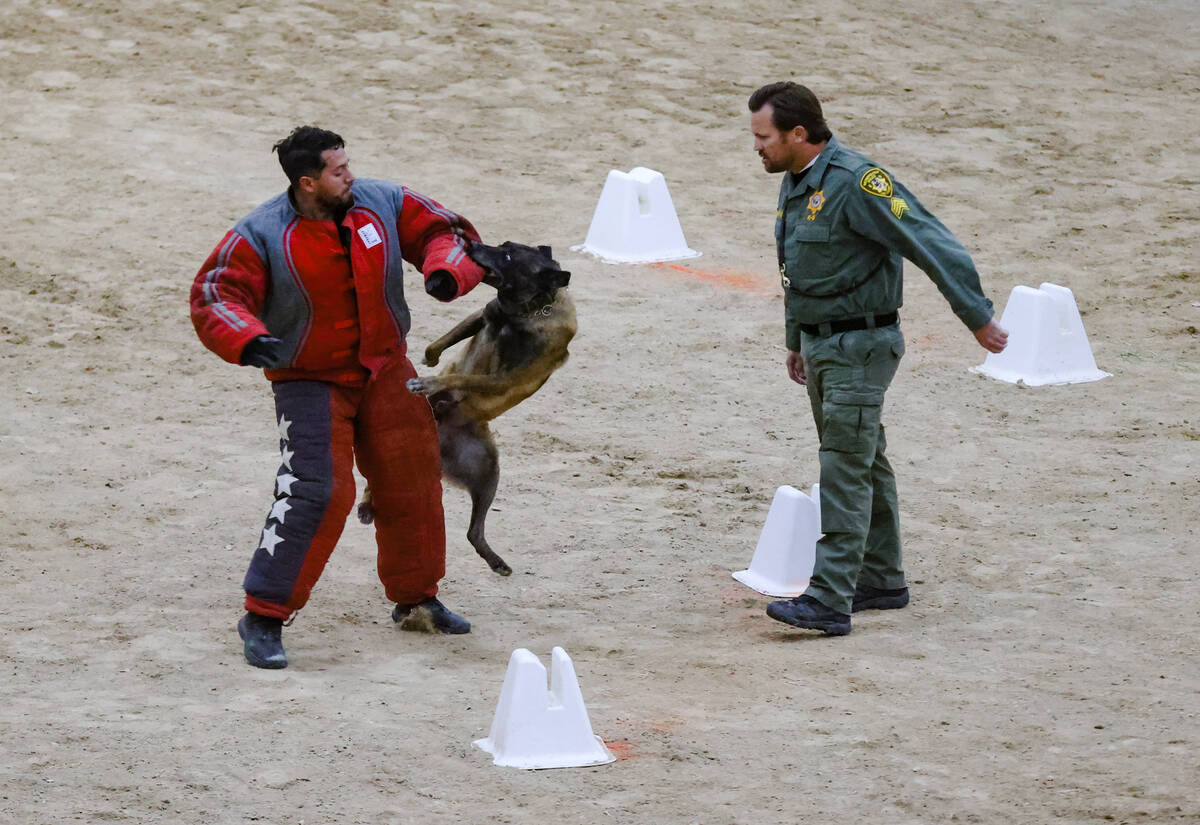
269,540
283,484
284,425
279,510
287,457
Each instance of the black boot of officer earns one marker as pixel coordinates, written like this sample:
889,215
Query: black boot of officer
805,611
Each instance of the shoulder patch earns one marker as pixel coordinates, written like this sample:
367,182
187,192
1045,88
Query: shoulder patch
876,182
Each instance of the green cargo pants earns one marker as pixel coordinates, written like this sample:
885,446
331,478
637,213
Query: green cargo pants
848,374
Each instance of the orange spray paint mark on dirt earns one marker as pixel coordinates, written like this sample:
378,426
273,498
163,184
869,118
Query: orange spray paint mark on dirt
621,748
737,280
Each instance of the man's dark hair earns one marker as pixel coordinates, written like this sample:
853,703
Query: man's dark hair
793,105
300,152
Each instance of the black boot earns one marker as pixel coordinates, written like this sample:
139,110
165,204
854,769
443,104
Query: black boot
264,645
805,611
429,616
875,598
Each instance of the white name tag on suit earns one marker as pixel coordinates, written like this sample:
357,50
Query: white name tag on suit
370,237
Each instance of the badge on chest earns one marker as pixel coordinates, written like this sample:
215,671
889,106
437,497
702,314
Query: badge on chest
815,203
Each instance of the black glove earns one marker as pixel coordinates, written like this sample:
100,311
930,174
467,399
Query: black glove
263,351
441,285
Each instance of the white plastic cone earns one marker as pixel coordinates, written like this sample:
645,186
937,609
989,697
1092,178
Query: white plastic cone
1046,340
539,728
787,547
635,221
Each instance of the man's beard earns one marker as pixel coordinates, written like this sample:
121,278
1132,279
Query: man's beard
772,166
335,204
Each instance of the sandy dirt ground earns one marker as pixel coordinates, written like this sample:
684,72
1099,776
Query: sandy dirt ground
1046,670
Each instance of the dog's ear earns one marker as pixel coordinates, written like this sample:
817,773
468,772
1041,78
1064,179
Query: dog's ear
545,250
562,278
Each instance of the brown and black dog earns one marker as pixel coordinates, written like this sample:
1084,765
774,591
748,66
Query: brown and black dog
517,341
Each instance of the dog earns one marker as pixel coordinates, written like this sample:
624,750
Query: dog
516,341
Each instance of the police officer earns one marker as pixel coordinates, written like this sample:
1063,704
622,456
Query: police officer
842,228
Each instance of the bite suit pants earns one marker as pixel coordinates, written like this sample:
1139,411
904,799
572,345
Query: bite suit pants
323,429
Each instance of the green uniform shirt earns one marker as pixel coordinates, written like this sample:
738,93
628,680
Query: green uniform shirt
842,230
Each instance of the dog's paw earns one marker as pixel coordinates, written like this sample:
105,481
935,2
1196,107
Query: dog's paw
422,386
431,357
366,513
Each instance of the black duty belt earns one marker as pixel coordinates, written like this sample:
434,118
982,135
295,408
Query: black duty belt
849,324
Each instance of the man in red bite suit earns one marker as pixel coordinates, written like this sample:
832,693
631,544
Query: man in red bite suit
309,286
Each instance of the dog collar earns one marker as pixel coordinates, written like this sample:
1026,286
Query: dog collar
539,306
544,312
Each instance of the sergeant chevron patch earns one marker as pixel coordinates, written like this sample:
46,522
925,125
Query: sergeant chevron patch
899,207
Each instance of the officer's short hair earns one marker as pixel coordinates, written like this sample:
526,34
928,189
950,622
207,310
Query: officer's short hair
300,152
792,105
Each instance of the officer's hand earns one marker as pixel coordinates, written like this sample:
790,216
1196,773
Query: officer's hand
263,351
795,368
992,337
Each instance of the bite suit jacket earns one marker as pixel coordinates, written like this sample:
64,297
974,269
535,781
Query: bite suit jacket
332,293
